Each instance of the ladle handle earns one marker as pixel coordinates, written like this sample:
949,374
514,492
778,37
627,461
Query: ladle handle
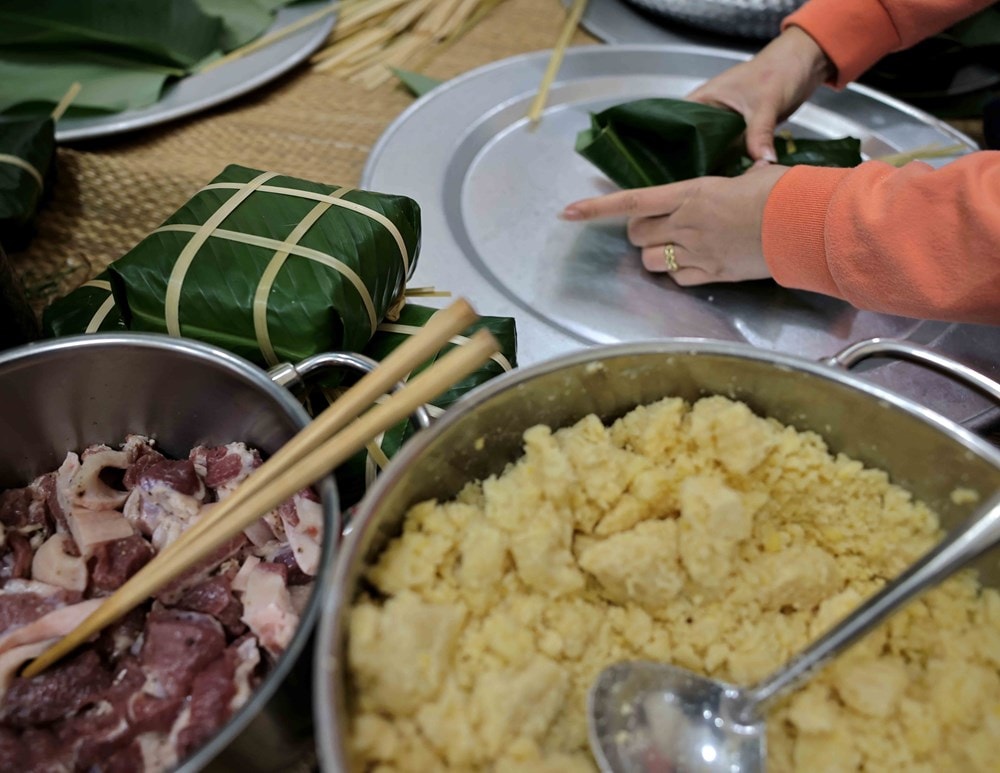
976,535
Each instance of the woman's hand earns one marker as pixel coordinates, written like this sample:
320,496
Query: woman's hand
768,88
713,223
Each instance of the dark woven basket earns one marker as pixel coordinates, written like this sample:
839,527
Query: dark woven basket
759,19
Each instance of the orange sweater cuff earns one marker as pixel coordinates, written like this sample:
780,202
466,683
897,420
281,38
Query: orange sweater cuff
793,234
854,34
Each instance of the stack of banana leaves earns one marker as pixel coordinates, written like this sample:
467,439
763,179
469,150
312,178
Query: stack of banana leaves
123,52
658,141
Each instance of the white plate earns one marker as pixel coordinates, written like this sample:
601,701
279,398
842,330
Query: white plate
204,90
490,187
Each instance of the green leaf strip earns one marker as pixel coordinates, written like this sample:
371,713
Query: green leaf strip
378,217
105,308
172,305
392,327
6,158
271,271
304,252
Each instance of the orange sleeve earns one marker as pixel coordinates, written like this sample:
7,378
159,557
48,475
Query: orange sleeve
855,34
915,241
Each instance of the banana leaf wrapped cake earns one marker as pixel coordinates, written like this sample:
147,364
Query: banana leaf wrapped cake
358,473
27,150
658,141
271,267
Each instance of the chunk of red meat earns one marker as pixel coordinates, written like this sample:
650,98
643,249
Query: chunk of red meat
176,474
177,587
145,459
118,637
177,645
126,760
293,572
94,734
43,747
16,559
13,753
17,609
114,562
214,597
15,507
58,692
210,698
47,488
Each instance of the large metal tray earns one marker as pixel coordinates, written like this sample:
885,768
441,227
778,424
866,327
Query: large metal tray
490,187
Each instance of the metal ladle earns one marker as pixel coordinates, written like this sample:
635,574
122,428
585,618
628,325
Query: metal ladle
656,718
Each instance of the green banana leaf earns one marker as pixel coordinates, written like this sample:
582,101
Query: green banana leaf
32,82
357,473
90,308
123,52
842,152
416,83
165,32
27,153
657,141
273,268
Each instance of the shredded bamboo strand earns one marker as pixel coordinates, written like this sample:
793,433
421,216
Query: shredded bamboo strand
354,48
935,150
369,12
555,61
374,36
71,93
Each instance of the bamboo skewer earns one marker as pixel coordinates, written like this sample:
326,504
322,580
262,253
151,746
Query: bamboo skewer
309,456
555,61
66,101
935,150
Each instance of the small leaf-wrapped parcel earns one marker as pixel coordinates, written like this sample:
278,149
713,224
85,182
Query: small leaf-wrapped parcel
90,308
270,267
658,141
359,472
27,149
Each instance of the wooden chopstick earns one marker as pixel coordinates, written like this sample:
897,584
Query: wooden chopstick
555,61
309,456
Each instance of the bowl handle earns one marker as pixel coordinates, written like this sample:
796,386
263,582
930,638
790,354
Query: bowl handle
291,376
887,347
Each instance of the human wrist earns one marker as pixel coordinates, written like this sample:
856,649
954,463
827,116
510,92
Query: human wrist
811,57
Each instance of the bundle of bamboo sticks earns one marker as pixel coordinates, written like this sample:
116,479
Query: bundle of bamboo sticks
373,36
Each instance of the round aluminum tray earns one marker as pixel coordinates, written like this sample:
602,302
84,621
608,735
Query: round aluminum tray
490,187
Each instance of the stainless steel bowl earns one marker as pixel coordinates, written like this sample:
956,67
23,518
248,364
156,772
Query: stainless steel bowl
68,393
922,451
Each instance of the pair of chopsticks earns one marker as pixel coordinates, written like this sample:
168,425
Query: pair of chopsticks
326,442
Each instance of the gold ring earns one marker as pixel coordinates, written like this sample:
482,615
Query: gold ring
670,257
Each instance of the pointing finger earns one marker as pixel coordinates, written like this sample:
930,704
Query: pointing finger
641,202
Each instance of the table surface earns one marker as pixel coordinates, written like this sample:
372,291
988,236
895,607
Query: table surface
112,192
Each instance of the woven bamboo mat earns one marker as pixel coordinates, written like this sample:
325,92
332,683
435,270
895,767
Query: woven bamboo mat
112,192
